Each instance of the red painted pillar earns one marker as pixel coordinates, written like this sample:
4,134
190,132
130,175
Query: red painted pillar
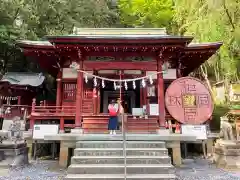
59,90
98,101
79,96
141,94
61,124
144,91
161,102
19,100
122,87
95,98
33,110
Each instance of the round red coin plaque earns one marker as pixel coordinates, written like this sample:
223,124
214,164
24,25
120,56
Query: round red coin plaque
189,101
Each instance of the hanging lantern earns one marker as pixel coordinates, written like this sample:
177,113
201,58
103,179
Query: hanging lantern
151,80
103,84
115,85
125,85
86,78
134,85
95,82
143,83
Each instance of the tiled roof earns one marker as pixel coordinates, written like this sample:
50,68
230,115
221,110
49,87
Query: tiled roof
23,78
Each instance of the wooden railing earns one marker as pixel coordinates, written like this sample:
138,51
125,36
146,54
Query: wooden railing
10,111
53,111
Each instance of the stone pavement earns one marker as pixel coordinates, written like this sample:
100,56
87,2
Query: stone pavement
197,169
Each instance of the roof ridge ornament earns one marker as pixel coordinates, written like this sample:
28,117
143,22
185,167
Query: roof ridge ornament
74,65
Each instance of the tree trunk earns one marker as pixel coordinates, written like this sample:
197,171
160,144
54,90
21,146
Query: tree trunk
204,73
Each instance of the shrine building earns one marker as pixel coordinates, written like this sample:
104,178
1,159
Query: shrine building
17,89
86,64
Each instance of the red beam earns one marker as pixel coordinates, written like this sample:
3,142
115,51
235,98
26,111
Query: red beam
147,66
121,54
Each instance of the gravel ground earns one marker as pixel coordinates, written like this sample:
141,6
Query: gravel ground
37,170
197,169
201,169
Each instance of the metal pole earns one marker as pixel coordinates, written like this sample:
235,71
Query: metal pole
124,148
123,131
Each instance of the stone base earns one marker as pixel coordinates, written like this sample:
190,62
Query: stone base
61,132
27,134
13,155
163,131
227,154
77,131
4,133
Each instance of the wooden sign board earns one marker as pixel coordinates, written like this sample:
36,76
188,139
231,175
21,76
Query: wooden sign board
137,111
154,109
41,130
200,131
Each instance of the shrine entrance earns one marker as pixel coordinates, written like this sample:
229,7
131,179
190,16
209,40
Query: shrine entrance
130,97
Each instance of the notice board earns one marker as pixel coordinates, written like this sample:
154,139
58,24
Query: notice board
41,130
200,131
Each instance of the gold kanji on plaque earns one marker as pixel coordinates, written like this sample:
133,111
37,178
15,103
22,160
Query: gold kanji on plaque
189,100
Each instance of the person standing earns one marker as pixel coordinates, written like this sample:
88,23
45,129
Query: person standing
113,109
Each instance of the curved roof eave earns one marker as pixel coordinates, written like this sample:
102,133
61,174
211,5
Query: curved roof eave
23,78
35,44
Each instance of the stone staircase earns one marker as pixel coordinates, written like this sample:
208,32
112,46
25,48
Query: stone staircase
104,160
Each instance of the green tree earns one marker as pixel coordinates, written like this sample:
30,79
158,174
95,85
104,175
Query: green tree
33,19
147,13
211,21
55,17
205,20
9,32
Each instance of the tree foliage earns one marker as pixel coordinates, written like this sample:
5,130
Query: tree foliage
146,13
211,21
33,19
206,20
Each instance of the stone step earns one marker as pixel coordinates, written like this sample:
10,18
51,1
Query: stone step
119,169
119,144
119,152
120,177
120,160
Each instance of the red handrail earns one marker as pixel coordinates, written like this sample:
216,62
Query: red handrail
9,111
54,110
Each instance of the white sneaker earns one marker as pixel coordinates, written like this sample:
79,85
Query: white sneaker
111,132
114,133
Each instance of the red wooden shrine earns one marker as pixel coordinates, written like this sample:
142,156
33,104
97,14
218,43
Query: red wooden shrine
17,89
110,53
